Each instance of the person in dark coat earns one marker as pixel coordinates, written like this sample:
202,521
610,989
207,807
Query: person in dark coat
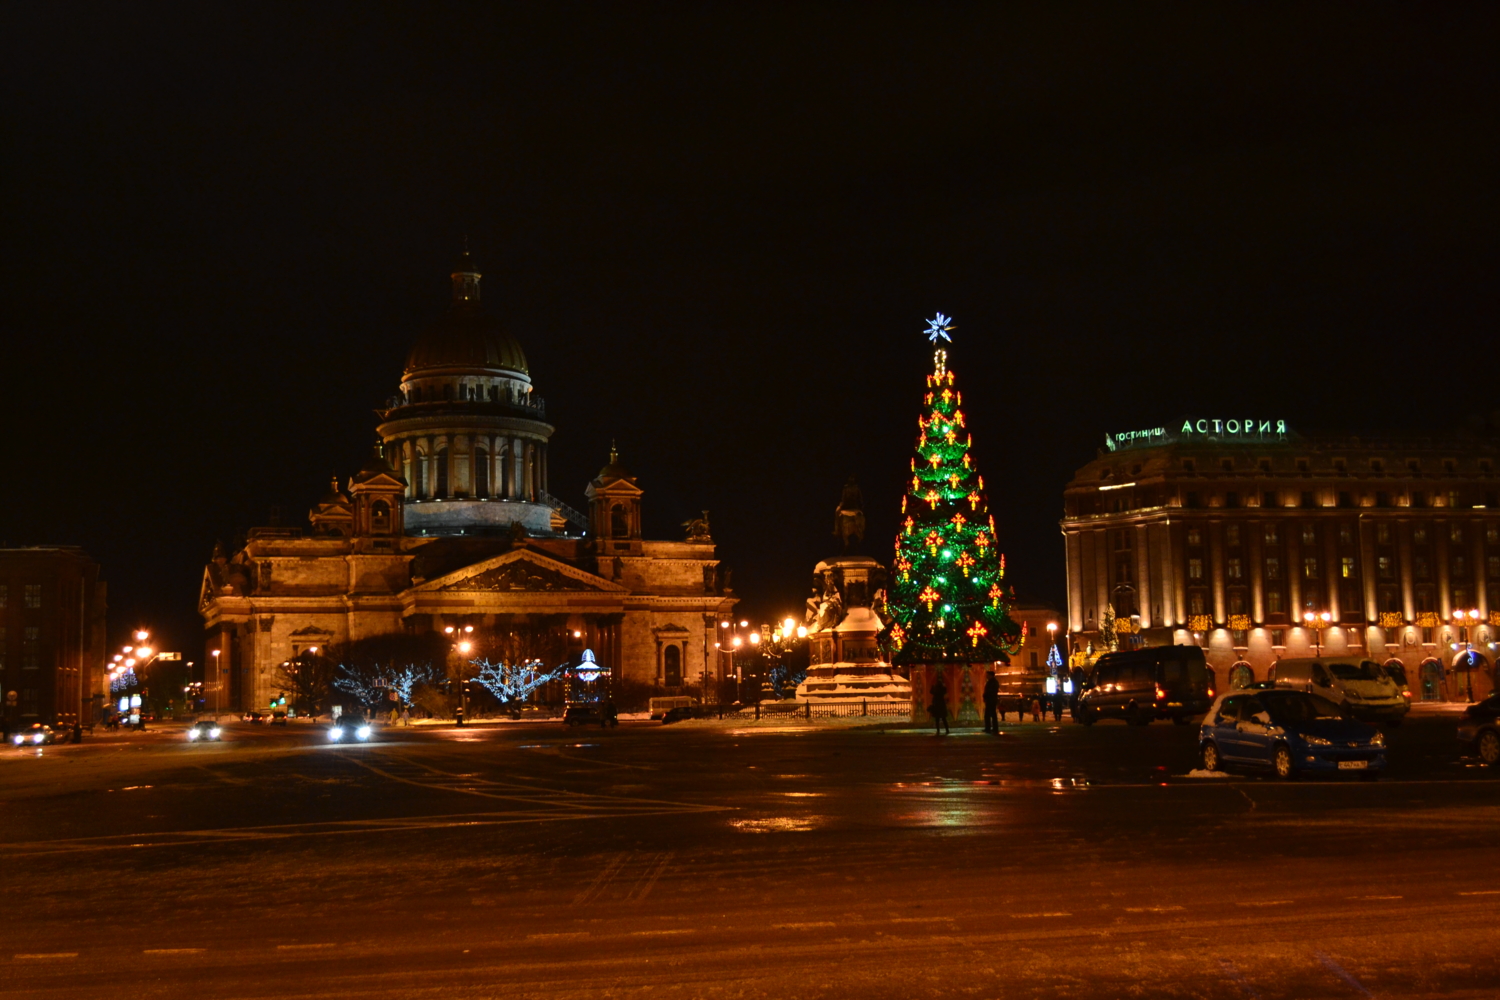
991,703
939,707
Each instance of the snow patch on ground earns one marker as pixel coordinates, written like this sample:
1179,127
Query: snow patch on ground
1198,772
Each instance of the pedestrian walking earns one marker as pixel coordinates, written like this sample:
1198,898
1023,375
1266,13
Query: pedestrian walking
1021,708
406,716
939,707
991,703
1036,710
1057,702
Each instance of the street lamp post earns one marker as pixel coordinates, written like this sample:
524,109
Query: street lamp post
464,646
1462,619
1318,621
729,644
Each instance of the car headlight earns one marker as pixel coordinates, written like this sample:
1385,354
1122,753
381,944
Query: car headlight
192,734
19,740
214,733
39,737
363,732
1316,741
1378,740
335,733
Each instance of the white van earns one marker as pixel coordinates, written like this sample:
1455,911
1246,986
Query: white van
659,707
1362,687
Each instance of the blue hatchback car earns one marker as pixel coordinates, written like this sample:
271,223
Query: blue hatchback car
1289,733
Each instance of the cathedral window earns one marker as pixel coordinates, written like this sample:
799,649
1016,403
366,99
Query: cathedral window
440,474
619,521
380,517
481,473
671,666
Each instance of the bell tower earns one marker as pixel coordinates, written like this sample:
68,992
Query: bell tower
615,509
376,492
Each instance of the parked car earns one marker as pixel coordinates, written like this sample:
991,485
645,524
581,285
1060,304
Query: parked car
677,714
590,715
1479,730
1141,685
202,732
351,731
1363,688
34,735
1289,733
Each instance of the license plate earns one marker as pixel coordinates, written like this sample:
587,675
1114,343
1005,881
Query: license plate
1353,765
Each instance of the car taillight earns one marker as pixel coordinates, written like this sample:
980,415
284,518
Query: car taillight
1406,695
1160,694
1210,692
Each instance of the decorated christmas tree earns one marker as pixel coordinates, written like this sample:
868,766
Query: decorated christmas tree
949,602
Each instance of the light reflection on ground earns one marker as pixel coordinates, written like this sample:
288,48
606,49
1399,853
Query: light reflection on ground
778,824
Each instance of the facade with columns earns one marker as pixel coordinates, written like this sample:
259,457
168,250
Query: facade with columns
1228,533
450,523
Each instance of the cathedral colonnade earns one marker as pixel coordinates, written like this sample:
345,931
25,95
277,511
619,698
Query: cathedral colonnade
465,464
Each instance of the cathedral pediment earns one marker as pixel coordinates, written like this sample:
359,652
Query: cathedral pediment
521,572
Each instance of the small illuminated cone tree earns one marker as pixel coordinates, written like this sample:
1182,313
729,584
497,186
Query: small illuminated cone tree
949,604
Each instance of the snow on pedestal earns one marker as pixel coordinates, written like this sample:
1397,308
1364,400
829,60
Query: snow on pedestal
846,666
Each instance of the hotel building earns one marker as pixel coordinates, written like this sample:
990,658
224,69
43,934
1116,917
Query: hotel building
1230,533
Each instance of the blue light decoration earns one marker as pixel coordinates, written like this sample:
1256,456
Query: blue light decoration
939,327
588,668
586,682
1060,678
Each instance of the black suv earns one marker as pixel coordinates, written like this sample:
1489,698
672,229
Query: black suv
1141,685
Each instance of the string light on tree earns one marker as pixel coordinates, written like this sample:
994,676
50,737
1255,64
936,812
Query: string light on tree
938,614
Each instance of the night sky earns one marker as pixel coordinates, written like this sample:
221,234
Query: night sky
717,231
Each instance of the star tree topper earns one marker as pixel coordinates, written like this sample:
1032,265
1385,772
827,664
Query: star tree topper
939,328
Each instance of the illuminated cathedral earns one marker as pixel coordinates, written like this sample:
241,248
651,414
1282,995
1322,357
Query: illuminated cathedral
450,524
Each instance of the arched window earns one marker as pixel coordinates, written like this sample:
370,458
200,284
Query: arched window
671,666
481,473
1241,675
380,517
440,474
418,478
619,521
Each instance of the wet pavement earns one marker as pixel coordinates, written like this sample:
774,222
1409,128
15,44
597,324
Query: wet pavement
739,860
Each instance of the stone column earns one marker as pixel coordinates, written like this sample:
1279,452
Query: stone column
1257,570
1172,543
1369,570
517,469
1444,583
1403,555
1294,571
1073,547
1334,572
1481,595
1143,583
1216,569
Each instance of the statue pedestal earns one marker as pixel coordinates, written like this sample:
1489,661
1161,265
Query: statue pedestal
846,668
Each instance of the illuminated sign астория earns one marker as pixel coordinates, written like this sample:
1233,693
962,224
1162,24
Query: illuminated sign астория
1200,428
